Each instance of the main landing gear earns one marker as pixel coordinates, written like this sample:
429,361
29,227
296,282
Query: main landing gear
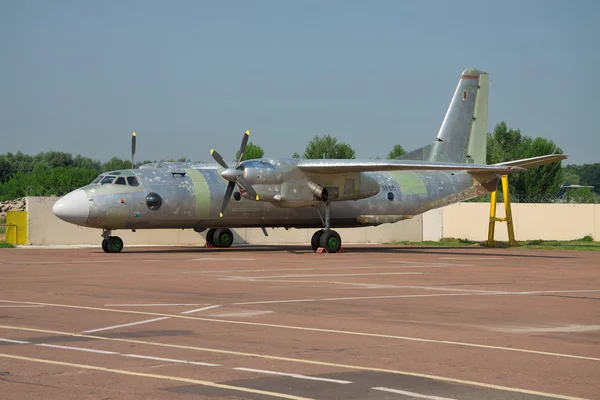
326,238
222,237
111,244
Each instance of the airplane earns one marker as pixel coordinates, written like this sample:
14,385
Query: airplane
300,193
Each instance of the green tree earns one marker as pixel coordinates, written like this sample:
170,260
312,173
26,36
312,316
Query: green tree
116,163
397,151
589,174
296,155
507,144
570,177
329,147
252,152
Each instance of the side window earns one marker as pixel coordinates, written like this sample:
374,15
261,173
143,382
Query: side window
132,180
107,179
120,181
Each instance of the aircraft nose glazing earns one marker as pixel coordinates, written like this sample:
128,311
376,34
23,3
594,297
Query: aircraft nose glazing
73,207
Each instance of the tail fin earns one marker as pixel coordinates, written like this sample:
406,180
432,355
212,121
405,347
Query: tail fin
462,136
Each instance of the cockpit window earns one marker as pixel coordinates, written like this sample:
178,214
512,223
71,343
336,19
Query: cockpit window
107,179
132,180
98,179
120,181
258,164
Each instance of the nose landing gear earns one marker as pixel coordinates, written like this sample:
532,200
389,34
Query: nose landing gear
326,238
111,244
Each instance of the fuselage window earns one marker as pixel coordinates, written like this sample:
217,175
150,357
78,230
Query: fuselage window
120,181
132,180
107,179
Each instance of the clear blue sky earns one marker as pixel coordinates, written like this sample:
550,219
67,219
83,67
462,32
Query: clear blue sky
188,76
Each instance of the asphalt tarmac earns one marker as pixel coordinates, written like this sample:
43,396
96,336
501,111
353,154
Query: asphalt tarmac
374,322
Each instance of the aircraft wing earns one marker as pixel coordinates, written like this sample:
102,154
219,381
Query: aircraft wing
343,166
534,161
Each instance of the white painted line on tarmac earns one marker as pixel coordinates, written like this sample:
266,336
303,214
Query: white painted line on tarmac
400,296
173,360
155,376
124,325
249,313
55,346
23,306
323,275
412,394
155,305
432,263
276,301
13,341
298,376
274,358
306,329
470,258
222,259
201,309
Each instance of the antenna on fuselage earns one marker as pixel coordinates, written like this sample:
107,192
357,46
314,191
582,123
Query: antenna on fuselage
133,138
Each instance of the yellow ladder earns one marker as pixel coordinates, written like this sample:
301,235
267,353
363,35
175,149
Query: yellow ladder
507,219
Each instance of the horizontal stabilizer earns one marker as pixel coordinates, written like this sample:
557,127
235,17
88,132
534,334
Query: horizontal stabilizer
534,161
344,166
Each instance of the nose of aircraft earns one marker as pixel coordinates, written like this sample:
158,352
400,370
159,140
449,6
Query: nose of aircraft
73,207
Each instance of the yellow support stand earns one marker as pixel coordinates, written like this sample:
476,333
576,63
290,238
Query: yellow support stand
16,227
507,219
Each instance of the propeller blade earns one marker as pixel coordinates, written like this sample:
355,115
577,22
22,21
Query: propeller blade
247,187
226,198
243,146
218,158
133,138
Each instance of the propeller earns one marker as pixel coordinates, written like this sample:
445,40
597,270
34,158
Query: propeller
133,138
234,175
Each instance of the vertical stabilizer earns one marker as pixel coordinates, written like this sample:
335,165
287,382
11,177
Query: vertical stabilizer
462,136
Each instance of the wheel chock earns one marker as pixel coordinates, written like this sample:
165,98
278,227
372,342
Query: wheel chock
322,250
209,245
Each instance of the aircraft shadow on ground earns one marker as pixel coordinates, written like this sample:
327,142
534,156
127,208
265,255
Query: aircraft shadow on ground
304,249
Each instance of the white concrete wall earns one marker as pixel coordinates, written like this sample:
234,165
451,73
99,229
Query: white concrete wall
46,229
531,221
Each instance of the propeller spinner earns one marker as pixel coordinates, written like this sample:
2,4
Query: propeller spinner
234,175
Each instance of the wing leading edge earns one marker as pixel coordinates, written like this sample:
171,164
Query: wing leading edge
343,166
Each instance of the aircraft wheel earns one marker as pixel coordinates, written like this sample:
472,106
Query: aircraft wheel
114,244
223,237
105,245
315,240
331,241
209,236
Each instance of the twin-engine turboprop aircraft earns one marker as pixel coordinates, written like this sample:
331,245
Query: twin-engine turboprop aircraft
296,193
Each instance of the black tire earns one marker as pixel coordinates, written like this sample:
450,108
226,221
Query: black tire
331,241
315,240
105,245
209,236
223,237
114,244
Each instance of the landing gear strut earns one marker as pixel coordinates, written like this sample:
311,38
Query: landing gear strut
111,244
326,238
